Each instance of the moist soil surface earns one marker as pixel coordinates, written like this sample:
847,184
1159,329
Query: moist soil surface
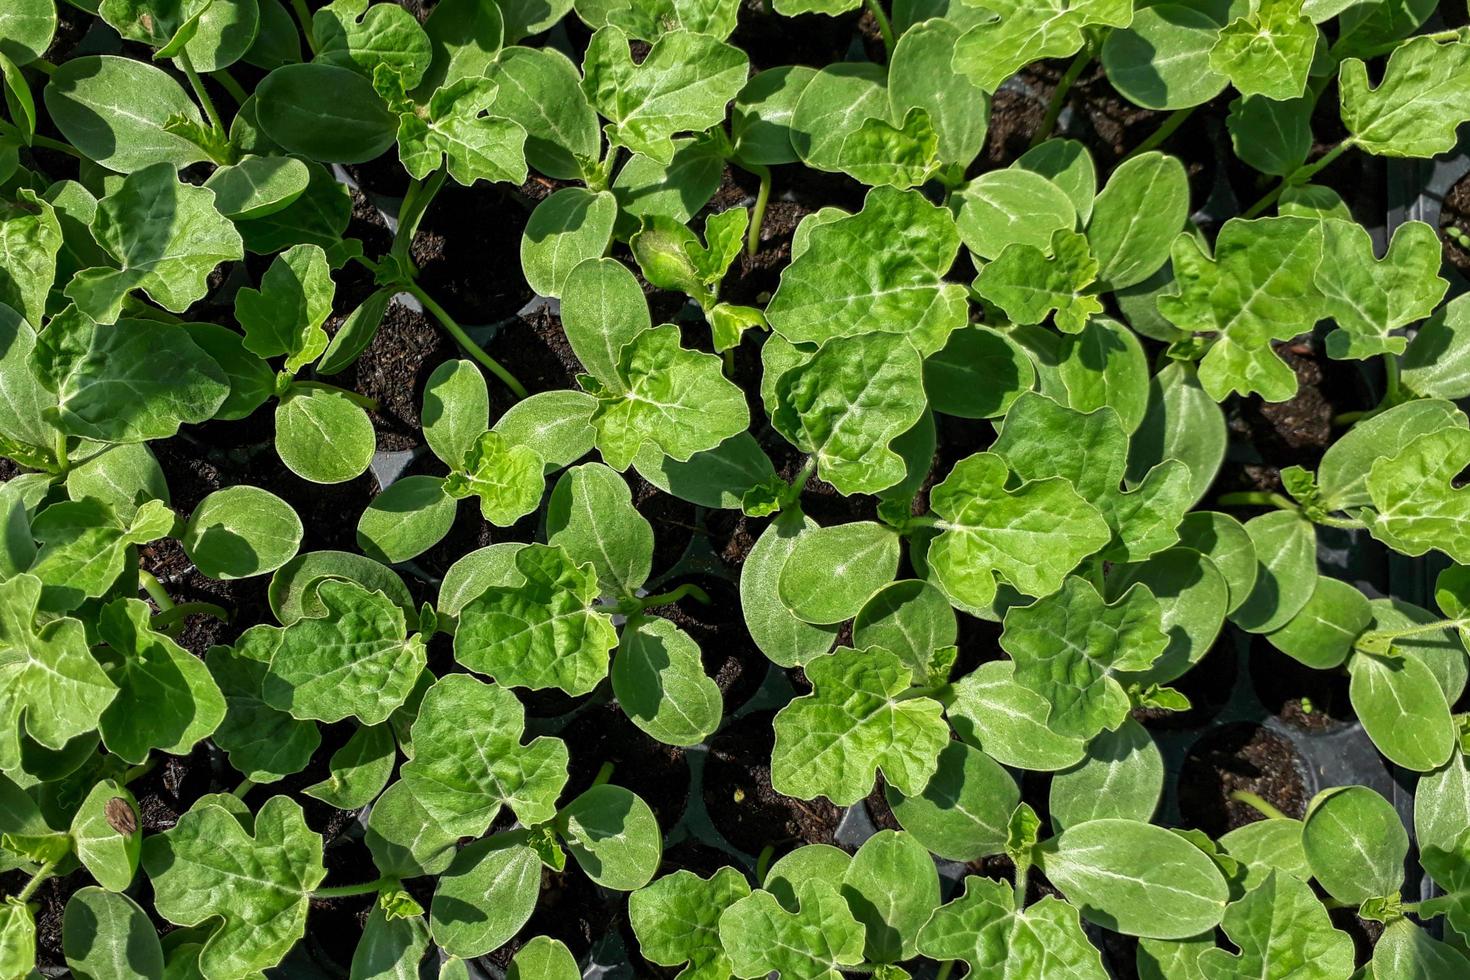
1239,757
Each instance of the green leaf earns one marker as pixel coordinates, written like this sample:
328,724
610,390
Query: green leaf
832,571
831,742
540,89
1014,206
659,681
1144,205
1136,878
408,518
603,308
124,477
1355,844
390,948
458,133
1403,709
1407,952
920,76
1030,284
814,942
543,633
717,478
293,589
1031,536
1281,930
1450,869
854,278
761,119
325,113
258,885
319,216
591,515
164,24
359,770
892,888
1415,110
1434,365
1066,164
1286,571
485,897
570,226
832,104
1322,634
27,26
1368,298
263,743
613,835
1273,844
1162,61
226,31
286,314
323,436
847,403
1224,541
465,36
880,153
910,618
84,548
1069,648
677,399
677,918
681,85
1103,366
1274,137
105,388
984,928
116,111
544,958
26,405
106,936
404,840
241,531
17,937
1122,776
780,635
978,374
507,479
555,424
1438,644
461,775
355,661
1021,32
105,835
963,811
166,237
361,36
1182,422
166,698
1416,505
30,238
1267,51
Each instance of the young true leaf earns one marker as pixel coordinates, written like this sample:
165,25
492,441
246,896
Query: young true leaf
262,742
359,770
507,479
1355,844
569,227
361,36
854,279
1031,536
847,403
117,112
106,837
1071,646
1416,505
462,775
682,84
1267,51
677,919
813,942
286,314
542,90
457,131
830,742
985,929
664,394
84,548
241,531
1281,929
356,661
17,937
591,515
545,632
256,884
1136,878
613,835
659,681
832,571
1368,298
124,477
1022,31
166,698
1029,283
104,934
166,237
92,370
1415,110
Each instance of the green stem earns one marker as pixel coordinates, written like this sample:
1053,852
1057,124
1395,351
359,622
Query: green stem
43,66
1420,630
371,404
604,773
884,27
798,483
1346,523
1165,130
1059,95
470,347
1257,804
246,785
1391,391
227,82
186,63
1256,498
416,201
41,875
63,462
155,590
342,891
183,610
763,864
758,212
687,589
1299,176
943,693
134,773
57,145
304,17
945,969
1348,418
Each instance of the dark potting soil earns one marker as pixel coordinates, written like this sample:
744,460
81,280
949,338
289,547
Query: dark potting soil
658,773
1207,685
1307,699
1455,213
1240,756
535,350
740,800
393,370
729,656
1365,932
876,803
